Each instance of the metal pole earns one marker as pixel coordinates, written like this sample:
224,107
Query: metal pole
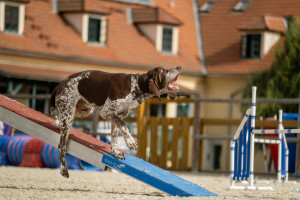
279,147
253,113
297,168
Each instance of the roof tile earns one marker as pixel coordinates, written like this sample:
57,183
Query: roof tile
48,33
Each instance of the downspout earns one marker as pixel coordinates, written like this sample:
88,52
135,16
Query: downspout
199,37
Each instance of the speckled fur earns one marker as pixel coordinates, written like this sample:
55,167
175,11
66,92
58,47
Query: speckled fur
67,103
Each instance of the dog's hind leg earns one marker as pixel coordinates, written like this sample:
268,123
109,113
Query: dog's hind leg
66,118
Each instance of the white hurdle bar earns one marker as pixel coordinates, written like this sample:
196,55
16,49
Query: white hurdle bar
266,141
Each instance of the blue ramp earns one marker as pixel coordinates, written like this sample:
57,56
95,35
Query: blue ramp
155,176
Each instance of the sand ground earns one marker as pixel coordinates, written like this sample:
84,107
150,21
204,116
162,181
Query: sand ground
36,183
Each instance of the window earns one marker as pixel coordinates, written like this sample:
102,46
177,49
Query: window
251,46
147,2
95,31
12,17
207,6
11,22
167,39
241,6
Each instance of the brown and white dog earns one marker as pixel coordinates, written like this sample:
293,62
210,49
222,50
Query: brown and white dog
115,95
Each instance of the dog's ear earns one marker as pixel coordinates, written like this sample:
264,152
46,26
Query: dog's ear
153,88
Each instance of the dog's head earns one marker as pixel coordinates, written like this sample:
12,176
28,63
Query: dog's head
163,80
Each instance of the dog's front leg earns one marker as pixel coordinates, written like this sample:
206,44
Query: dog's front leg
114,142
130,142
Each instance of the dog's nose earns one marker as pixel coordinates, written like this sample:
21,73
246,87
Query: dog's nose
179,68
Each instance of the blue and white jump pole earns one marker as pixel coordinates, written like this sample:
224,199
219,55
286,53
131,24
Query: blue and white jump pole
253,113
242,149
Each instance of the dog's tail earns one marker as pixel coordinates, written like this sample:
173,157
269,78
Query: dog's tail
52,107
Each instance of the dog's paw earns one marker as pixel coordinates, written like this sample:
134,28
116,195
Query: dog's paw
131,143
64,173
172,95
119,154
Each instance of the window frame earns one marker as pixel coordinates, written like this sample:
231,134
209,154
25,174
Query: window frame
167,46
20,18
207,6
102,31
97,23
160,37
13,21
239,7
248,47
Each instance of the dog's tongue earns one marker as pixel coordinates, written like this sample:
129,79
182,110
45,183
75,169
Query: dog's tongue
173,85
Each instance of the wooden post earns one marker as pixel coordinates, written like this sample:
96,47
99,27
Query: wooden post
195,160
165,143
95,122
185,144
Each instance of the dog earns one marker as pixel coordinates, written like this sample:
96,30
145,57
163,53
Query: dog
115,95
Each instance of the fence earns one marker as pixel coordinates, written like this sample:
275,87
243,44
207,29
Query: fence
164,141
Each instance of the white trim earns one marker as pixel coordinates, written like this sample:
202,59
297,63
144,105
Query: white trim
158,43
2,11
175,40
85,26
21,19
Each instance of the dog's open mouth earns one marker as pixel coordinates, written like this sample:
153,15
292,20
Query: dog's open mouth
173,84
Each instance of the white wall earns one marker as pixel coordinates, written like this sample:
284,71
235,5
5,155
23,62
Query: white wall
269,39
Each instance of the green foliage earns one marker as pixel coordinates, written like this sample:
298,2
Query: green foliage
283,79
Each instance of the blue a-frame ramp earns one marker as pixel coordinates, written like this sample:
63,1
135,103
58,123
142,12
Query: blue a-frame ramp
94,151
155,176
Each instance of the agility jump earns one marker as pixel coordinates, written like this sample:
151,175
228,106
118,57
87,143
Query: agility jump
242,149
94,151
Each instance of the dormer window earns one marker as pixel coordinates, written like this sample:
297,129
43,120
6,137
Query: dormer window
12,17
207,6
251,46
160,27
241,5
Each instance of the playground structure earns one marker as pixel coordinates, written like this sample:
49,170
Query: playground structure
94,151
242,149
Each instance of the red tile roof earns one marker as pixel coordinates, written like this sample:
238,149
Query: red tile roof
47,33
265,23
154,15
275,23
222,38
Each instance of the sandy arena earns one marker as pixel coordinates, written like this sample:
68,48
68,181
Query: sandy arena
36,183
